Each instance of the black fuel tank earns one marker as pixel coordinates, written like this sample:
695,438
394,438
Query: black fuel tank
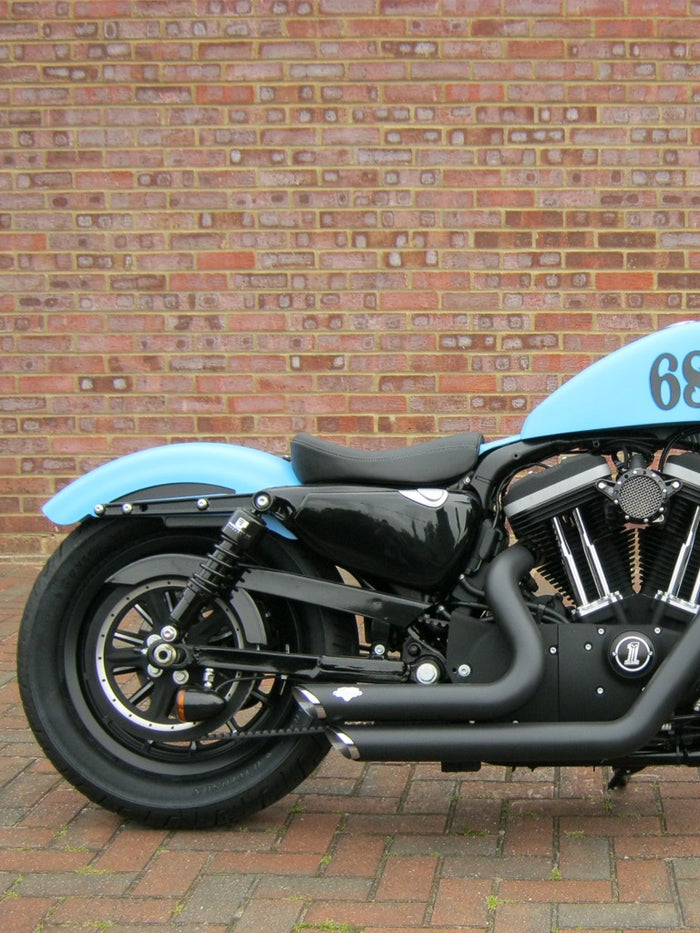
416,537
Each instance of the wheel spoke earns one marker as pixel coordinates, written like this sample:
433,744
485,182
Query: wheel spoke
141,693
171,600
154,608
144,615
146,703
120,660
138,641
264,698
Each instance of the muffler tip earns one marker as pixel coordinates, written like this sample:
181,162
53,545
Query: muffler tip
342,743
309,702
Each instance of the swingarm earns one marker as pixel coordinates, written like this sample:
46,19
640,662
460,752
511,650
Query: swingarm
306,666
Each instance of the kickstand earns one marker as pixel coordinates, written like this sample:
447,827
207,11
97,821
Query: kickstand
621,777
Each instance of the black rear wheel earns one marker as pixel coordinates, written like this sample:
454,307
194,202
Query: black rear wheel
107,716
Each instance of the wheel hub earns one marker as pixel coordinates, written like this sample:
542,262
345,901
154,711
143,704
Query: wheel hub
135,648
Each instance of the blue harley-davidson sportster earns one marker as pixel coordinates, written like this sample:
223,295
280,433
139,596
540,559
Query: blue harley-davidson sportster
221,615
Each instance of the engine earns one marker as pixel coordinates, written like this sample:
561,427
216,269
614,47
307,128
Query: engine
623,547
621,551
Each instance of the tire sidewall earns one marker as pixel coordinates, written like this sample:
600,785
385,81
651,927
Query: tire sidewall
91,757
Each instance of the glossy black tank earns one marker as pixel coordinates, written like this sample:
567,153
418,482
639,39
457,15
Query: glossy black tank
414,537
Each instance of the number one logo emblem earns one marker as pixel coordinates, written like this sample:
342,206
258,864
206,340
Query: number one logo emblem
632,659
632,654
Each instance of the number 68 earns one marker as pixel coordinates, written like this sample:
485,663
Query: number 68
666,386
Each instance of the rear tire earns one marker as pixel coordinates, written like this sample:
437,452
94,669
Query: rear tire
106,719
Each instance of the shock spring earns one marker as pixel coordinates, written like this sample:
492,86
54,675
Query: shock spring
220,571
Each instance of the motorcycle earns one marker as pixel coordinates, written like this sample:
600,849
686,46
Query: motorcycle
221,617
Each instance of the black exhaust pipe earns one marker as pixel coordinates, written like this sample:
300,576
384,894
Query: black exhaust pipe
538,743
452,702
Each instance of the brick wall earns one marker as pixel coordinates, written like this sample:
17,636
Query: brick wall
377,220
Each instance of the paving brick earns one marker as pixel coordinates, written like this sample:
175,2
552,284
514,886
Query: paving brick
233,839
273,916
385,780
522,918
85,910
529,835
43,859
356,856
461,902
584,857
25,914
118,927
643,880
213,899
689,895
310,833
556,891
387,825
275,863
130,850
92,829
498,867
407,878
633,825
629,862
77,883
614,916
170,874
313,888
365,913
657,846
680,813
430,796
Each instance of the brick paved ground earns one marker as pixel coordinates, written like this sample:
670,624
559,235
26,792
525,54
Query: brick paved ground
366,848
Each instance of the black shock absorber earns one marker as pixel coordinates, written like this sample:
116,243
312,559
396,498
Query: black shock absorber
220,571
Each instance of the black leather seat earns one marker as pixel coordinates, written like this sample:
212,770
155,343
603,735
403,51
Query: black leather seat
438,462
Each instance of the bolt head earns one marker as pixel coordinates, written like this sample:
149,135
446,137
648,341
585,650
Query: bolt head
427,673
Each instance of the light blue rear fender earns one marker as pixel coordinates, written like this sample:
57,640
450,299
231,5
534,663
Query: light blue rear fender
243,470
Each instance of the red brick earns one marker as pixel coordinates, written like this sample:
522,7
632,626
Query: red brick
643,880
557,891
130,851
341,161
407,878
310,833
365,914
356,856
171,874
462,902
25,915
272,862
